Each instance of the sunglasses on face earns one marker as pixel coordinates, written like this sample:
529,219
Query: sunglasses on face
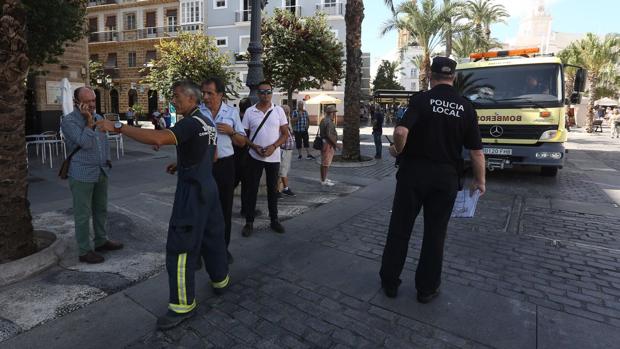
264,92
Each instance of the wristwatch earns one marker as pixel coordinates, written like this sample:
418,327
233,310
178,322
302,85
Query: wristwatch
117,126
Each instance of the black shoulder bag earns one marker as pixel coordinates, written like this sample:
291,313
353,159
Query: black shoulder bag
318,141
64,168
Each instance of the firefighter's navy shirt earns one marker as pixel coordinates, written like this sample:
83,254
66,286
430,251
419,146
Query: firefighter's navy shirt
440,123
193,138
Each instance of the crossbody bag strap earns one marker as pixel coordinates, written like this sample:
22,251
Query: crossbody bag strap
261,125
73,152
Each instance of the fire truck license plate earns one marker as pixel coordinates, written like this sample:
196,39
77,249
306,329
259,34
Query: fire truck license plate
497,151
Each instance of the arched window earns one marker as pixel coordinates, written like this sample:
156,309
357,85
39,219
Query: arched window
132,97
114,101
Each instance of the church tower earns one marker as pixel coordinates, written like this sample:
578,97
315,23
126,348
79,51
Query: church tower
535,29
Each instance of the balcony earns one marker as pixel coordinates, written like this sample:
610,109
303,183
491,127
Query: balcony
243,16
331,9
296,10
103,36
101,2
113,72
142,34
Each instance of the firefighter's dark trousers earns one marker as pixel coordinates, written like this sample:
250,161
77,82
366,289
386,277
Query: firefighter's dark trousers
196,230
420,185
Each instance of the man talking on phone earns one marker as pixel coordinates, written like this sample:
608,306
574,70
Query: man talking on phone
429,141
88,175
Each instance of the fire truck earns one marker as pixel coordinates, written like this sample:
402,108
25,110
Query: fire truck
521,102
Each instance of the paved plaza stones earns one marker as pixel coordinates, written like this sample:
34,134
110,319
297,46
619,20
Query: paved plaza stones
537,267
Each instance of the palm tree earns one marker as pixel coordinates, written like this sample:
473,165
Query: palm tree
596,56
16,235
449,30
464,44
352,90
426,24
569,55
483,13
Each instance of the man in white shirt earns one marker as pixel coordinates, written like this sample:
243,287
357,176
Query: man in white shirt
267,128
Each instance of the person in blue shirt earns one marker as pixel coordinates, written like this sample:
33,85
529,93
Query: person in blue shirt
196,226
229,132
88,176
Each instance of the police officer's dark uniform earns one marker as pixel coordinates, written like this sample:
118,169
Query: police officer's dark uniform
196,227
440,123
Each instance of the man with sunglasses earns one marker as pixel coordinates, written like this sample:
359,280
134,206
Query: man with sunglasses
267,129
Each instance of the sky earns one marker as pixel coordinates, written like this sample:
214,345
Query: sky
572,16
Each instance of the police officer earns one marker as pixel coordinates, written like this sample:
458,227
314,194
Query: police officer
429,141
197,225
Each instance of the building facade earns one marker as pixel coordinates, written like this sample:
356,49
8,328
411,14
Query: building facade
535,31
229,22
44,104
123,37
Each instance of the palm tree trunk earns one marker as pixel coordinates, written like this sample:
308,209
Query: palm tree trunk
592,82
16,235
425,71
448,32
352,90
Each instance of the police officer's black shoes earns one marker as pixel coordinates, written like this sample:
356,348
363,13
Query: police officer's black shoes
247,230
427,297
277,226
172,319
390,288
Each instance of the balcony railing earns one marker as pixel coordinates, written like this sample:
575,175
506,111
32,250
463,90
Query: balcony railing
101,2
331,8
243,16
294,9
113,72
141,34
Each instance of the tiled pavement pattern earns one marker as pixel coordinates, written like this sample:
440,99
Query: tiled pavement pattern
561,260
556,259
275,309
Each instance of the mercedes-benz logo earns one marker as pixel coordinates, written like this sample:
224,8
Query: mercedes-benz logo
496,131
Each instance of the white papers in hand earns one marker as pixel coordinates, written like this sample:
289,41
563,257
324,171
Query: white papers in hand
465,204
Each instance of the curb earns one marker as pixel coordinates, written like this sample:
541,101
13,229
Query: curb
341,164
25,267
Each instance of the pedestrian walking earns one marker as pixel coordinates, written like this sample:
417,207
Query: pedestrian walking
230,133
88,176
287,155
267,128
429,140
300,124
614,122
377,132
196,226
130,116
167,118
327,132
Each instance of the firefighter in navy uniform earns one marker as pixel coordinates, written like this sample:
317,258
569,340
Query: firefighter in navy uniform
429,141
196,227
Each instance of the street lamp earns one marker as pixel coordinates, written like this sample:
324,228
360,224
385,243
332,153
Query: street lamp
255,66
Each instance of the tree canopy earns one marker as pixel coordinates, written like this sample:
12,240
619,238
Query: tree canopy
191,56
49,25
386,78
300,53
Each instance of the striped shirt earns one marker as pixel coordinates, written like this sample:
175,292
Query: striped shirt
91,160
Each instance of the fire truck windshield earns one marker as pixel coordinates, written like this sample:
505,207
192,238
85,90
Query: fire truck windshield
532,85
